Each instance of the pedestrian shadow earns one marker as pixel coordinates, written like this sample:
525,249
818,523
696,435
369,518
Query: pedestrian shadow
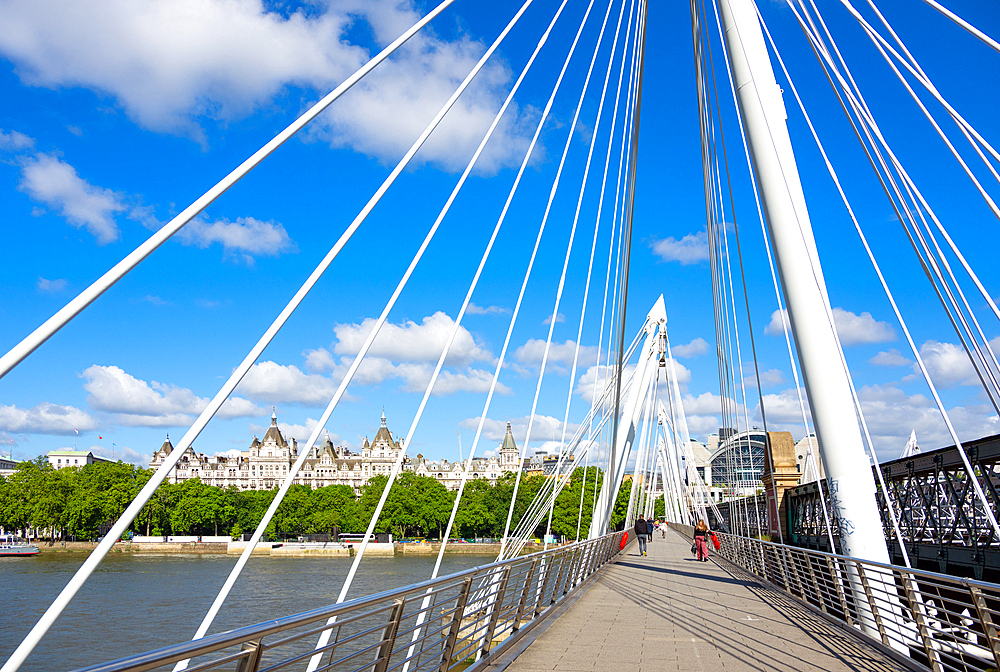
691,575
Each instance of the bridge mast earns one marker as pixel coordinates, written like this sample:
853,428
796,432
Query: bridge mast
852,485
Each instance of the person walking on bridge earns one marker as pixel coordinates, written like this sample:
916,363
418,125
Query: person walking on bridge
700,540
641,531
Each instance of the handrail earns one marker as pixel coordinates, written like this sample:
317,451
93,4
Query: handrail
477,602
939,622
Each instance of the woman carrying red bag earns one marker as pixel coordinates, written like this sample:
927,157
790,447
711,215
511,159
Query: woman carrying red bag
700,533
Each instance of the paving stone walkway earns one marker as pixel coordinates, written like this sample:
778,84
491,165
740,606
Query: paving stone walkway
667,611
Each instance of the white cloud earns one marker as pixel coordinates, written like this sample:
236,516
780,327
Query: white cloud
417,376
891,358
45,418
136,403
852,328
51,286
784,412
319,360
559,318
705,403
169,63
948,364
691,249
246,237
15,141
473,309
55,183
696,347
276,383
559,353
545,428
768,378
891,414
412,342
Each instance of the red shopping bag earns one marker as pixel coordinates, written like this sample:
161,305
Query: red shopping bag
715,540
621,545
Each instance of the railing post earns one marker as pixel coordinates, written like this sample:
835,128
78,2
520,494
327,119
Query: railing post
251,662
790,562
815,584
547,570
389,637
456,626
522,605
917,611
560,577
835,578
872,604
495,616
574,570
986,620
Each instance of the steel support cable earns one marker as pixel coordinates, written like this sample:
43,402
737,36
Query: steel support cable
28,345
986,39
276,501
996,366
616,224
524,529
629,209
53,611
746,298
638,447
882,281
600,205
597,222
562,277
957,117
920,76
916,65
465,474
975,482
678,417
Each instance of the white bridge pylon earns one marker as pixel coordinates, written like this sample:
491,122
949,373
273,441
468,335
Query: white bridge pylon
630,416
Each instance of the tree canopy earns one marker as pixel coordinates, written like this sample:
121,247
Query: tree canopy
82,503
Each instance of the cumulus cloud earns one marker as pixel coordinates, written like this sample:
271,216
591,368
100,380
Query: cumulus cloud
137,403
49,180
45,418
412,342
245,238
15,141
698,346
852,328
948,364
691,249
768,378
170,63
319,360
276,383
544,428
530,354
891,358
473,309
559,318
51,286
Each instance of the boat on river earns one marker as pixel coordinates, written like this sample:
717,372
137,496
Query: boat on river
14,546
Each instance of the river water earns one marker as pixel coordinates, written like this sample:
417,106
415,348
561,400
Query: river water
135,603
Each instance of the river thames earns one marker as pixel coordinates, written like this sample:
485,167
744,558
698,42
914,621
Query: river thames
135,603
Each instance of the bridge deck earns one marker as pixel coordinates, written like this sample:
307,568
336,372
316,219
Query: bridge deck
666,611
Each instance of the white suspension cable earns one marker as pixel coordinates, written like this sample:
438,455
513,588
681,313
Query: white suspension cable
989,41
118,271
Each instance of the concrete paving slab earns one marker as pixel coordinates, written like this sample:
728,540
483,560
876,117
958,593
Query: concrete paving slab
666,611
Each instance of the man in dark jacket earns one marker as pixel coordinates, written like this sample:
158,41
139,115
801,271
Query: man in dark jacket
641,530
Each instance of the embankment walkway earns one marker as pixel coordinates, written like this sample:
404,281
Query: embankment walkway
667,611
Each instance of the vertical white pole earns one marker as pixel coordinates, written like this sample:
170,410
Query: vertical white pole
852,485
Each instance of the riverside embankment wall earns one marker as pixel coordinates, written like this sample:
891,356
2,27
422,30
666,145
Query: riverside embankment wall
277,549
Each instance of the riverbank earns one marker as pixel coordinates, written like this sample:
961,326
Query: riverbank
278,549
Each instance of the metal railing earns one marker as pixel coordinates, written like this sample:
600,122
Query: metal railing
940,622
446,623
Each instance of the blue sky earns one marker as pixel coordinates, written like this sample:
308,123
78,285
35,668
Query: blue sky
116,116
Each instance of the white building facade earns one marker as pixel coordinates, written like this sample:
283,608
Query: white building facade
267,462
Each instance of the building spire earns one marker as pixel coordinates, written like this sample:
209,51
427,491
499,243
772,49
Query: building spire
274,416
383,416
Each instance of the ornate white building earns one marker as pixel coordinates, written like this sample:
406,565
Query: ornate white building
268,460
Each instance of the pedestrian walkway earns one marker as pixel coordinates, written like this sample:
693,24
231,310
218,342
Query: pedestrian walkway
666,611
